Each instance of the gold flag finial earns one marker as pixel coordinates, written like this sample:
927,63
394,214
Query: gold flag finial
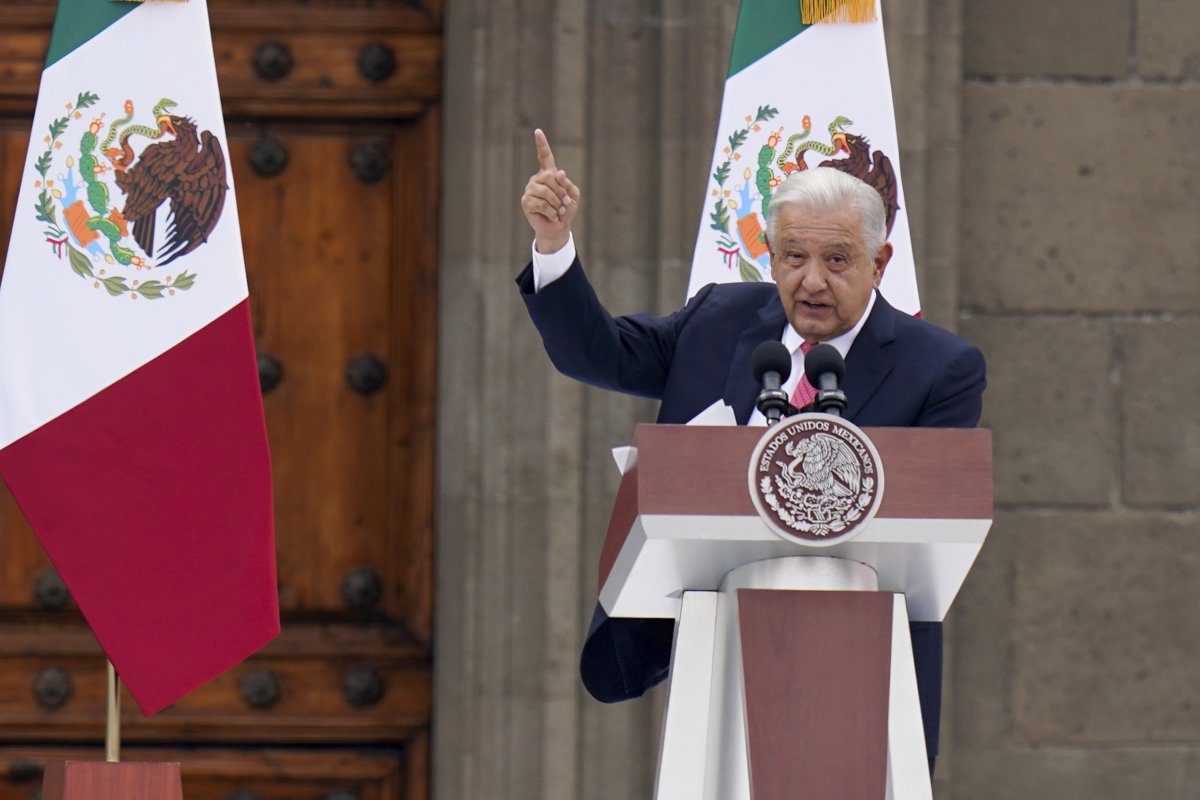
834,11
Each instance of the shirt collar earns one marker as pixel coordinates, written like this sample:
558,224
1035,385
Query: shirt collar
792,340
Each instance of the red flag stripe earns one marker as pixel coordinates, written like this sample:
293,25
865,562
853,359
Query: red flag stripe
153,500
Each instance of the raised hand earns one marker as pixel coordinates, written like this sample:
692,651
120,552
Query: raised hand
550,200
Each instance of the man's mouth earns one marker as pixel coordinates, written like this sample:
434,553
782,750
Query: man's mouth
818,307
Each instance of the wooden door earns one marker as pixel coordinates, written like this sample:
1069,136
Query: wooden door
332,110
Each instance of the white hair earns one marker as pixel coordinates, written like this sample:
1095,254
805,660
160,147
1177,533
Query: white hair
827,189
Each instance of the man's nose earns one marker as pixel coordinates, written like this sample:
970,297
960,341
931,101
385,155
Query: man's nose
812,278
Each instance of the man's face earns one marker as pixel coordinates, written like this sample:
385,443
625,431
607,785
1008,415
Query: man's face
822,269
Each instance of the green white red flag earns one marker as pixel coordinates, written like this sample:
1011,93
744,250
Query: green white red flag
799,96
131,424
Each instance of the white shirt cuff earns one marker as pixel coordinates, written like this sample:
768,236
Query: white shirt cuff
549,267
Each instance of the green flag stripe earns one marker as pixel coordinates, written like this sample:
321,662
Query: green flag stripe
762,26
77,21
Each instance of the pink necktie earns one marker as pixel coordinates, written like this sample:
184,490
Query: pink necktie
804,393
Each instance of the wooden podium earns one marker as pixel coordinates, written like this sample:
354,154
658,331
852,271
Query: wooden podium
792,672
98,780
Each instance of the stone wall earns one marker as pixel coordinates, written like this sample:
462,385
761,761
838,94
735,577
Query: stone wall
1077,637
1049,173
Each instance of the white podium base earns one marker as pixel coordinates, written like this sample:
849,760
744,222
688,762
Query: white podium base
704,753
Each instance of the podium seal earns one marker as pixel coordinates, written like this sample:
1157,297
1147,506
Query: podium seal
816,479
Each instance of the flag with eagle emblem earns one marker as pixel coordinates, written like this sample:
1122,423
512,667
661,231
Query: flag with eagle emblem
131,422
807,87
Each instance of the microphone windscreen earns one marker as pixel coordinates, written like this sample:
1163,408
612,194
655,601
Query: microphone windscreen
771,356
822,359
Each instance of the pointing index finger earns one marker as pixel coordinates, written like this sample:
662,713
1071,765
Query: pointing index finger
545,156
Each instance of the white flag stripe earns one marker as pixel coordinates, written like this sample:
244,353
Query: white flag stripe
826,72
61,339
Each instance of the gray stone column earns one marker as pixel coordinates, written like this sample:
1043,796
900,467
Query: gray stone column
628,92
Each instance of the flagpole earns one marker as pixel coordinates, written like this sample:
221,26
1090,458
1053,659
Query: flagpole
112,735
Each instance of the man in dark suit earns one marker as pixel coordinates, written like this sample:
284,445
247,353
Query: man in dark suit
827,239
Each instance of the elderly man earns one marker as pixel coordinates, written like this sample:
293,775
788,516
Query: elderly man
827,240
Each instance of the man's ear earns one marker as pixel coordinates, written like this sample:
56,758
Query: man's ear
882,257
767,240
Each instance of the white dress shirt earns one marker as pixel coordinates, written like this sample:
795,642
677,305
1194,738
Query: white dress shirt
549,267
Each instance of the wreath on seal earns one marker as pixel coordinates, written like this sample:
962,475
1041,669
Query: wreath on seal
816,514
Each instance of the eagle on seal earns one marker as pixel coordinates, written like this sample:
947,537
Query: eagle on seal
189,171
823,463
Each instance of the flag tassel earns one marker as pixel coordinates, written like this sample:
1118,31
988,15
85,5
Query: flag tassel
835,11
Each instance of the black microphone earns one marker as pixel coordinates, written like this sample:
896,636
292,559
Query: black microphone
824,367
771,364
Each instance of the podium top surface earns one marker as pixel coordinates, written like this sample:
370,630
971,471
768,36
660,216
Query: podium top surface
683,516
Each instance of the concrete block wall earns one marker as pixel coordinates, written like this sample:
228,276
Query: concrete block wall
1076,641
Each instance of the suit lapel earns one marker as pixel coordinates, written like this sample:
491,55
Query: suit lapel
867,363
740,390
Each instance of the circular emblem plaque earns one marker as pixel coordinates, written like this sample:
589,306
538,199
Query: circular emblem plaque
816,479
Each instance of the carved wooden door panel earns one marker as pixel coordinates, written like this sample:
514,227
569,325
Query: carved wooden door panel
332,111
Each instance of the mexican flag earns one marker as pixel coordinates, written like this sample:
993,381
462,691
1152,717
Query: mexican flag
131,423
801,94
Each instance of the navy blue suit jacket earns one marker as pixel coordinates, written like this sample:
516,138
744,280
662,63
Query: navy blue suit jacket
900,372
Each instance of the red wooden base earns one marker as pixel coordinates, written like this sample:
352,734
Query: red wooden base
817,667
100,780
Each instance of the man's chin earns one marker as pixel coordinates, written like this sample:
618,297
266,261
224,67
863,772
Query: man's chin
818,328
